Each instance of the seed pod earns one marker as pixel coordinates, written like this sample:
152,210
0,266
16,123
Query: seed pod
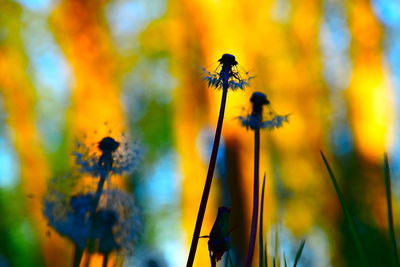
219,239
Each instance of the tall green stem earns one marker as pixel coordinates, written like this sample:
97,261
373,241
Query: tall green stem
207,186
254,219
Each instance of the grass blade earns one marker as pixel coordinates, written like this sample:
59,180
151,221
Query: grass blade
261,232
299,252
392,235
256,189
346,212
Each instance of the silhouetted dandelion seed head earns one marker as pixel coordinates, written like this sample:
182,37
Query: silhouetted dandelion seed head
228,59
227,74
108,145
108,156
258,119
127,225
114,226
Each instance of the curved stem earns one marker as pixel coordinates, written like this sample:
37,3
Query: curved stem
254,218
207,186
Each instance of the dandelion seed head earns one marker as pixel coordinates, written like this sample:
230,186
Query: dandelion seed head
108,144
114,226
227,75
103,240
120,214
72,223
256,120
107,155
228,59
258,98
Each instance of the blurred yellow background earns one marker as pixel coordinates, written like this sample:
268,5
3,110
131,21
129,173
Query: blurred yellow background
73,68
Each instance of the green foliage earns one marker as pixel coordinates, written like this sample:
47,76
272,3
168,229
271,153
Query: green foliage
346,211
18,242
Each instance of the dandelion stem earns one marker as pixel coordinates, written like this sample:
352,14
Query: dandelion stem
207,186
99,191
262,260
254,218
390,209
96,201
105,260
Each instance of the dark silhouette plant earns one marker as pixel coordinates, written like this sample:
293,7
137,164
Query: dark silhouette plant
255,122
102,221
226,76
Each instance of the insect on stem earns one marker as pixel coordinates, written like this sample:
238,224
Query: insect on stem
225,79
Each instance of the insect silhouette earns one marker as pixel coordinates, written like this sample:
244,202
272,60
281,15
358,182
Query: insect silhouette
219,240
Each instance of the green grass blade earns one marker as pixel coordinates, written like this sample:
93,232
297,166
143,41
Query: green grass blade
392,235
346,212
266,255
261,232
299,252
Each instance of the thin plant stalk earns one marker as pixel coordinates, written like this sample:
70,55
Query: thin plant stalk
346,211
254,219
299,252
210,173
99,190
78,253
261,232
105,260
392,235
